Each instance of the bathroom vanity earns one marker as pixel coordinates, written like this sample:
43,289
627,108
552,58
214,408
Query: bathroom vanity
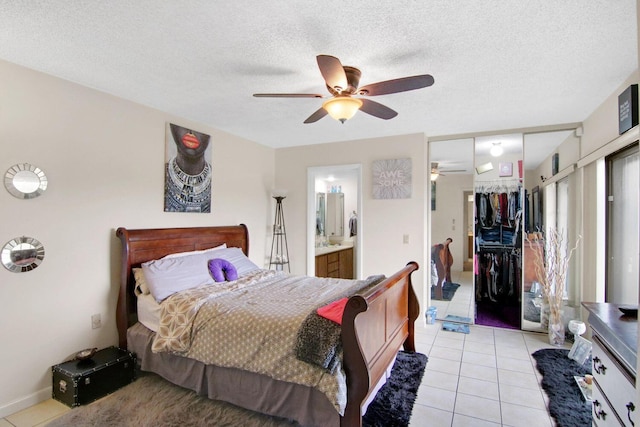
335,261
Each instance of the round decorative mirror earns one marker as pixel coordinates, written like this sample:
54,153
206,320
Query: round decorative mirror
22,254
25,181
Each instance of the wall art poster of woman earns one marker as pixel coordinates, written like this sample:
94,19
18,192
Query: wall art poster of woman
187,184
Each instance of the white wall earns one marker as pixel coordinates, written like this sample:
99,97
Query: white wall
600,128
382,223
104,158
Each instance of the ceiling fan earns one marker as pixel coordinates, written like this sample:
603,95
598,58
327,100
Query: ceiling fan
435,172
343,84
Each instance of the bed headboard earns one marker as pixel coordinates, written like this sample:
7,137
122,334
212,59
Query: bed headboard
144,245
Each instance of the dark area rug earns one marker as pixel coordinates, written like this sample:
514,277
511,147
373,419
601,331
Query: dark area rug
151,401
393,404
531,312
566,404
448,291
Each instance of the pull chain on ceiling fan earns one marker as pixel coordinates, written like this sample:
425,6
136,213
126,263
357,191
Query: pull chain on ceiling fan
343,83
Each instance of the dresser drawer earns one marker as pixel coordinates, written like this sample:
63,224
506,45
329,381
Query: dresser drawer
614,382
601,412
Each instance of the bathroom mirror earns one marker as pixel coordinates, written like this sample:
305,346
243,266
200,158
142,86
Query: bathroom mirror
22,254
335,215
25,181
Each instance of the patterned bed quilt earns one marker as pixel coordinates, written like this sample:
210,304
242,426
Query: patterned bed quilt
253,324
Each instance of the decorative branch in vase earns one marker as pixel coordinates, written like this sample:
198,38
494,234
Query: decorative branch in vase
551,267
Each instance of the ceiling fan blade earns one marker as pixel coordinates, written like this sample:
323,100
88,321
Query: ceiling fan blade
319,113
287,95
332,72
377,110
397,85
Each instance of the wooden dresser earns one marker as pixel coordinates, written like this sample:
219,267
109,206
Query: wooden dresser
337,263
614,353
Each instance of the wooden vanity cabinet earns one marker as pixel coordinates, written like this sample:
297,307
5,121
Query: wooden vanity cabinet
338,264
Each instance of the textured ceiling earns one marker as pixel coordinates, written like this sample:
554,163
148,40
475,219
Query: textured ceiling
497,64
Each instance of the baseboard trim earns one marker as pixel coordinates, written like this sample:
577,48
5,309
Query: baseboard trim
25,402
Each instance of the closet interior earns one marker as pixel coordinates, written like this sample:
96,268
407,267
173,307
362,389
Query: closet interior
498,252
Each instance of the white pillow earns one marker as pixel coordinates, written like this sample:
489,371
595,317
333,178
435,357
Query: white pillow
142,288
167,276
179,254
239,260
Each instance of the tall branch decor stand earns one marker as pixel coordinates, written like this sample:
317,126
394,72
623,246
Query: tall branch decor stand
279,248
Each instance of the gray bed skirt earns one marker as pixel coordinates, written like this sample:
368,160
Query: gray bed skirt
256,392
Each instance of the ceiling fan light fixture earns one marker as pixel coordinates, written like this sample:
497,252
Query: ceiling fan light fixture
342,108
496,150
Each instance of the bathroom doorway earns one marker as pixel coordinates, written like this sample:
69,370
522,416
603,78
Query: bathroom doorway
345,179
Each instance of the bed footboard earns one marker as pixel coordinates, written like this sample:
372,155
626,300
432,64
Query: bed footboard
375,325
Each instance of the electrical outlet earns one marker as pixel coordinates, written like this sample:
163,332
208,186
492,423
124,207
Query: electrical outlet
405,239
96,321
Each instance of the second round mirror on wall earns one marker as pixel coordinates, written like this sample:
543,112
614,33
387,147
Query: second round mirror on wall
22,254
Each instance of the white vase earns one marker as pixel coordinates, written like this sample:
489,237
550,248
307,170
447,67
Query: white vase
544,315
556,327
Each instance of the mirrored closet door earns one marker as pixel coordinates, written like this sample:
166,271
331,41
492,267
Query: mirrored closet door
451,245
499,208
489,193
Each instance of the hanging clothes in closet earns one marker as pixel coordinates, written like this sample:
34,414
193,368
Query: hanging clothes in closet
499,274
498,218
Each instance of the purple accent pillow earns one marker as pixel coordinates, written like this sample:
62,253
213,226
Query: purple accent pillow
222,270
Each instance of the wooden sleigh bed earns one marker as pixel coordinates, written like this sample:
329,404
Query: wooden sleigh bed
376,324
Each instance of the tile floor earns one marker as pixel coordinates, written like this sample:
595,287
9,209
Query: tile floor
484,378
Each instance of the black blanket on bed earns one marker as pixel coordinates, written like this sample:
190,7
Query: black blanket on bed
318,341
